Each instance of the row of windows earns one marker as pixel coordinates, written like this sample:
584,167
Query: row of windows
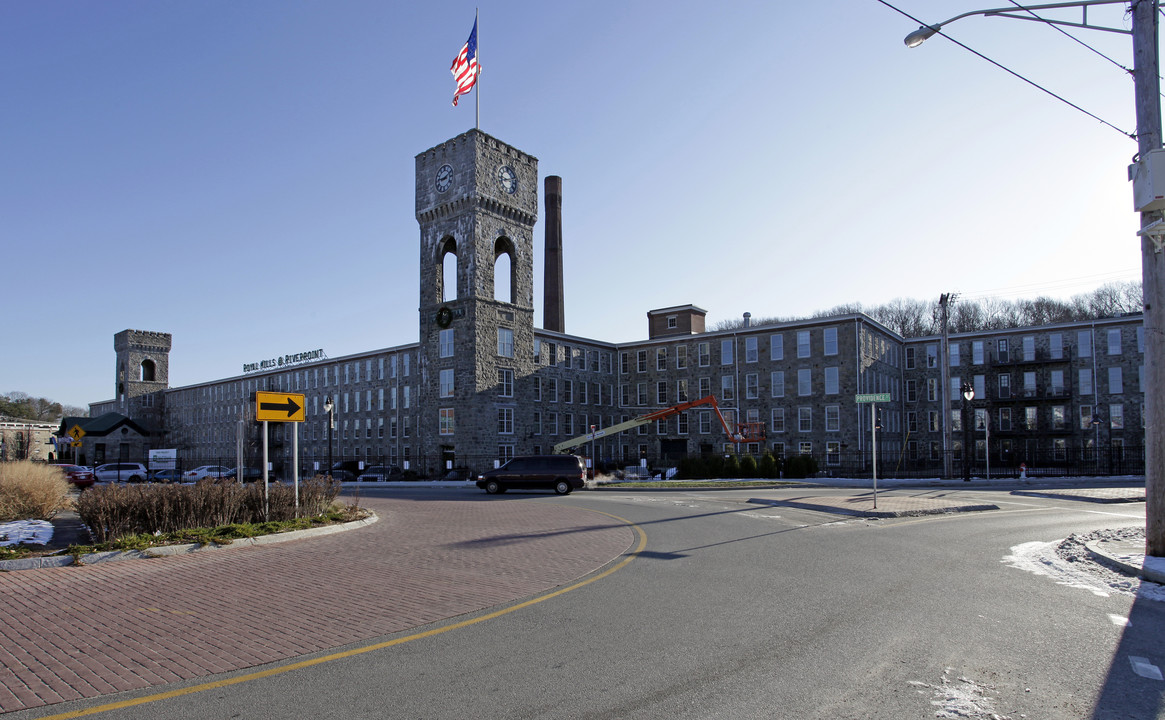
727,351
1027,349
1004,390
1056,417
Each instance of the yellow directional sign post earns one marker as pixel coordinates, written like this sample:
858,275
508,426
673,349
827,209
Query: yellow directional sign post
279,407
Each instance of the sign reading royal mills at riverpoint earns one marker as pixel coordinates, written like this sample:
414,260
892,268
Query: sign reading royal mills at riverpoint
285,361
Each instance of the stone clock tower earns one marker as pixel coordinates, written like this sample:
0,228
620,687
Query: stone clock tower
477,202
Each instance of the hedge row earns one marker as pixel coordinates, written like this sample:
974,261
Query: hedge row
115,511
768,467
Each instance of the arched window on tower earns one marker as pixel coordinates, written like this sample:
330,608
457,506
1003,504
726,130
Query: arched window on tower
447,254
149,371
504,270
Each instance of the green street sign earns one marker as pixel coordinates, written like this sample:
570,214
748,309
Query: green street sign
872,398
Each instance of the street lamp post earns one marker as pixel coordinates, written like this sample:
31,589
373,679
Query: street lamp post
1147,92
968,396
330,409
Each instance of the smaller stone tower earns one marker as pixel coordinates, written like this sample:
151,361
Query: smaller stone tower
143,374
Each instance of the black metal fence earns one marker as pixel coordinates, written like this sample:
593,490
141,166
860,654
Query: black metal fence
1078,461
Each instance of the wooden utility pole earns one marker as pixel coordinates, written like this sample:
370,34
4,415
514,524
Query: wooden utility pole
1148,101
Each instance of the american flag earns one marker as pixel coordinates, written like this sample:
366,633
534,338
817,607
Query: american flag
464,67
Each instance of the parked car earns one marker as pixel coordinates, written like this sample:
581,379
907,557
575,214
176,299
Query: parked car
205,471
166,475
80,477
248,474
343,475
381,473
562,473
121,472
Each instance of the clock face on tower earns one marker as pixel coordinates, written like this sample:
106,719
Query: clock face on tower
444,177
508,179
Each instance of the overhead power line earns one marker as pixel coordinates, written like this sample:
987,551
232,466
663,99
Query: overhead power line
1008,70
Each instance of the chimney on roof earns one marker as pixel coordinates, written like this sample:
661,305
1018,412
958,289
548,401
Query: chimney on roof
553,302
747,319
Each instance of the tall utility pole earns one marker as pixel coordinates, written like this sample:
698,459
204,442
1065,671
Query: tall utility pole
944,308
1148,98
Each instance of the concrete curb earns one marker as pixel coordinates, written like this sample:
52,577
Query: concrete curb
1135,564
52,561
1082,498
917,512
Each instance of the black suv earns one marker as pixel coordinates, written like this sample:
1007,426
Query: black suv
563,473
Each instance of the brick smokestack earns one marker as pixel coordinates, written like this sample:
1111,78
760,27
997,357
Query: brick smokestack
553,302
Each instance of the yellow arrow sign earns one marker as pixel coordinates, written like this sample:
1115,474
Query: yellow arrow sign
279,407
75,432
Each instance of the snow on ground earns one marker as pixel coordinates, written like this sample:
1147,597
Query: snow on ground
1068,562
29,532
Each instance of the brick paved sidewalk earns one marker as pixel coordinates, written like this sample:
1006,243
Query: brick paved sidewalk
78,632
1099,495
898,504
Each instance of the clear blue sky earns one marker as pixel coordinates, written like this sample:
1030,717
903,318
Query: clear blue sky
240,174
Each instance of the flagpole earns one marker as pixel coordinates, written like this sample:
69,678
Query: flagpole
477,81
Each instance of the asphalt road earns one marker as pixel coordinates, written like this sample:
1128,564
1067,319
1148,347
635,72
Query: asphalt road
734,610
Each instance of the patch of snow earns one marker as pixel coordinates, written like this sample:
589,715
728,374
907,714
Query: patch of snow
1068,562
28,532
962,698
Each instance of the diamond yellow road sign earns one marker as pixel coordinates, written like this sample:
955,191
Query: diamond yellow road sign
75,432
279,407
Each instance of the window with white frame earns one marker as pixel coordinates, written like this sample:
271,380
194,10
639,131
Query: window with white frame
446,390
505,382
750,351
1084,343
751,386
777,380
932,355
830,341
727,387
803,343
1056,346
641,394
976,352
804,419
804,382
726,352
505,421
833,452
682,390
681,357
778,420
953,351
1116,383
909,358
505,342
1029,348
777,347
661,392
832,418
1116,417
641,361
661,358
445,426
703,354
445,342
831,381
1085,381
1114,341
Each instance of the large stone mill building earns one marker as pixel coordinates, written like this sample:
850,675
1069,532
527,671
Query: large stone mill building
483,384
